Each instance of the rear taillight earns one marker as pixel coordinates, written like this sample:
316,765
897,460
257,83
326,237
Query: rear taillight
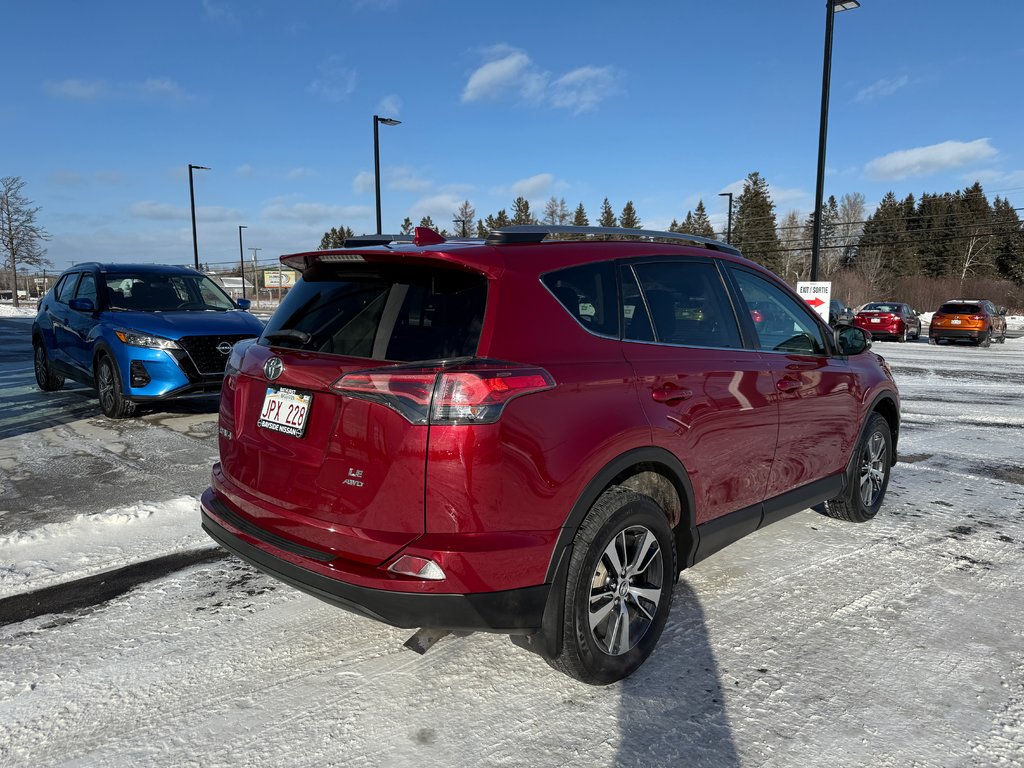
474,394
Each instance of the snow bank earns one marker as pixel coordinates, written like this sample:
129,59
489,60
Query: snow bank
27,309
89,544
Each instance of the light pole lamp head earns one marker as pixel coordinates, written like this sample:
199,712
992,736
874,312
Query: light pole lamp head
387,120
845,5
198,167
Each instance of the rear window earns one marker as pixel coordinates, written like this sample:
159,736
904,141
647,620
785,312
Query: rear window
895,308
382,313
959,309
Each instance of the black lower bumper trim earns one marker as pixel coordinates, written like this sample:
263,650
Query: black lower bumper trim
515,611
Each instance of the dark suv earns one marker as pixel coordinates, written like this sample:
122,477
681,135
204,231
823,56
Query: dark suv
534,436
138,333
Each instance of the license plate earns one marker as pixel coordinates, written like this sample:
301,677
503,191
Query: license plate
285,410
876,319
954,321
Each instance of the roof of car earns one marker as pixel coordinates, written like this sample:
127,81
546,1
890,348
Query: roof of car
145,269
515,245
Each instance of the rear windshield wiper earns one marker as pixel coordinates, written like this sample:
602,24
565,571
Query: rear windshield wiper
288,333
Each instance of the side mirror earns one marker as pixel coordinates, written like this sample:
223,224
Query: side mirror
243,303
82,305
852,340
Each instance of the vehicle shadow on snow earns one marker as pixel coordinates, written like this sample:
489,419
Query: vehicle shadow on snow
672,710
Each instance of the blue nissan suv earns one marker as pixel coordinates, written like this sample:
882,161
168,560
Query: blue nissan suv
137,333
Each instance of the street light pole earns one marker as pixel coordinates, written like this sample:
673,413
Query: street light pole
728,231
376,158
831,6
255,277
192,199
241,256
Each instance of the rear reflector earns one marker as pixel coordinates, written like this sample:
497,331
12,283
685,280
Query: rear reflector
420,567
439,395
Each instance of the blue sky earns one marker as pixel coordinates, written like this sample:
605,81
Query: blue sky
661,103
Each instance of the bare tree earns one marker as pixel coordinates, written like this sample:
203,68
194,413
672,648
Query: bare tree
21,238
463,219
848,228
794,249
871,266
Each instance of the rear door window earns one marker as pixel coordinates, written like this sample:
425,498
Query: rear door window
382,313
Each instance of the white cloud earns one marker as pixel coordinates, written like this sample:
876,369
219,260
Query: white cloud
512,71
440,208
164,88
312,213
782,195
993,176
77,90
244,171
534,186
363,183
390,106
921,161
300,173
219,11
881,88
149,209
407,180
334,81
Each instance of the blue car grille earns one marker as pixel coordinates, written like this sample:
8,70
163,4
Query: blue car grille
203,352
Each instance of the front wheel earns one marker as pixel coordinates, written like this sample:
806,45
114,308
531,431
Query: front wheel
619,588
46,379
113,403
868,477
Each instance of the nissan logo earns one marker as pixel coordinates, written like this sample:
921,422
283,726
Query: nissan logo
224,348
273,368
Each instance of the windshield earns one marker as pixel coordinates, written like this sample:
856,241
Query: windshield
165,293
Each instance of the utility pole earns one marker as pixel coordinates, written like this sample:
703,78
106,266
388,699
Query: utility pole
255,278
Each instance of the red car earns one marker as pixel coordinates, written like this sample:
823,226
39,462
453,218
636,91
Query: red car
889,319
533,437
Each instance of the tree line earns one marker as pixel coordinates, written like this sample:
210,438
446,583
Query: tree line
954,239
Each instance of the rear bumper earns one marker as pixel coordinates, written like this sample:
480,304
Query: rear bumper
515,611
955,333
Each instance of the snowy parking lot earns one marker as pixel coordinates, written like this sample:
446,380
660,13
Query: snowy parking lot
814,642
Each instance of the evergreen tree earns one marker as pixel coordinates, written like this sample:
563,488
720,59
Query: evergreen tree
700,223
428,222
580,218
499,221
753,227
973,241
607,215
481,229
885,244
1008,241
407,226
335,238
829,251
628,219
929,240
521,211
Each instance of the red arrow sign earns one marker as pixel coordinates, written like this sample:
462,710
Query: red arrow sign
815,302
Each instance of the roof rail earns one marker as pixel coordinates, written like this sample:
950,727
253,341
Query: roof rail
535,233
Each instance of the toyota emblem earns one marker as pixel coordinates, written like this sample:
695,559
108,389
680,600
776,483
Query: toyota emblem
273,368
224,348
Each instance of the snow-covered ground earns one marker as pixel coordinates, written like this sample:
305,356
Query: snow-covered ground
898,642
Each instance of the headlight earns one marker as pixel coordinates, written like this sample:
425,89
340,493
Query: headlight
137,339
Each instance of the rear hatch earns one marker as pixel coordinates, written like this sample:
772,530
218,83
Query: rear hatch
878,318
959,316
338,472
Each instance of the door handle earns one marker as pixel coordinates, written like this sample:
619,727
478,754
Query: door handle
670,394
787,384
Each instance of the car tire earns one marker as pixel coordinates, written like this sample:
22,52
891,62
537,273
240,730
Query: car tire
622,569
46,379
902,338
986,339
868,477
1002,337
113,403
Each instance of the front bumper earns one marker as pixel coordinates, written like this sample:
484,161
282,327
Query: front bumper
515,611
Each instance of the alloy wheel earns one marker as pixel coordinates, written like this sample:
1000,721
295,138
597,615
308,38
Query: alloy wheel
872,470
105,384
626,590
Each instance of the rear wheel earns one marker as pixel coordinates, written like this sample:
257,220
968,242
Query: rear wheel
985,340
869,476
619,588
902,337
47,380
113,403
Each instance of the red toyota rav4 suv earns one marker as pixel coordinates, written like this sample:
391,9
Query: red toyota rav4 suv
533,437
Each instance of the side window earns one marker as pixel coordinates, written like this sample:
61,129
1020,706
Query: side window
66,288
782,324
688,304
636,322
589,294
87,288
